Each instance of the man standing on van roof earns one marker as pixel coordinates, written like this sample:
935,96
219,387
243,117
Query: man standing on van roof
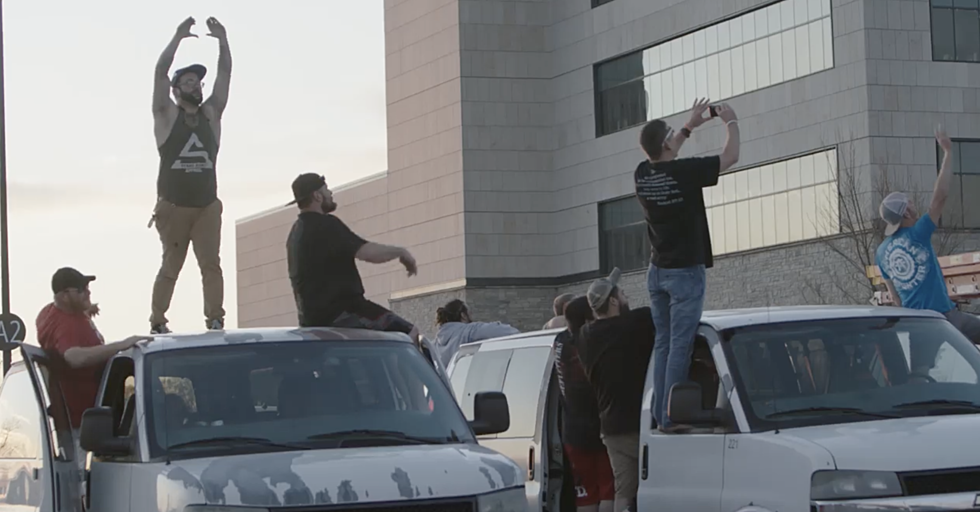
321,252
188,134
615,351
906,257
671,193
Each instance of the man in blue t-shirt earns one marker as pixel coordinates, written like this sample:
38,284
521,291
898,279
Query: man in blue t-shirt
906,258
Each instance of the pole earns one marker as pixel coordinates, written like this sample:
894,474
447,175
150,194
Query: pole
4,255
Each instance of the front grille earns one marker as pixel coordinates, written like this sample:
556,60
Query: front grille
942,481
453,505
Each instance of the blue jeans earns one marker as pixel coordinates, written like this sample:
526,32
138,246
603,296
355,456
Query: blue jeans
676,303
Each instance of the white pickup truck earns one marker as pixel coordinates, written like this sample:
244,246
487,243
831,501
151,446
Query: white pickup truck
254,421
795,409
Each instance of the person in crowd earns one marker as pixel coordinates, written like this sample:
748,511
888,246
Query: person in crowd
907,260
66,328
320,255
456,328
594,482
188,211
615,351
670,192
559,305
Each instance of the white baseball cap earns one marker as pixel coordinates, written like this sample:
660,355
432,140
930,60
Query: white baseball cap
892,211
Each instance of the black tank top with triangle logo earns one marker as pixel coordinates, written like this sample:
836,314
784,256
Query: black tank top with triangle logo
187,162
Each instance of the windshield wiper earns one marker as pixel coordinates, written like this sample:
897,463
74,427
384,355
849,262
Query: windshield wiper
384,434
963,405
234,440
829,410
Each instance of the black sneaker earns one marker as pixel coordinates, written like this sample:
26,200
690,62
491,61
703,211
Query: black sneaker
159,329
216,324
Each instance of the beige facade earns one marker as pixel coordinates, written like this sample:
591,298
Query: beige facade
511,150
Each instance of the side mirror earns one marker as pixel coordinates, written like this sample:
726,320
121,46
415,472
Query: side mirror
684,406
96,434
490,412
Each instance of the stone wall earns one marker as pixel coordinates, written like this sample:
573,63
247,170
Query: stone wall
800,274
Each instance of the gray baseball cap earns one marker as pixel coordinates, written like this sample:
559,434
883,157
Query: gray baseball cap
892,211
600,289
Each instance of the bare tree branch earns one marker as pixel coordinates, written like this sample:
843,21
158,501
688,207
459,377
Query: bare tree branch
855,218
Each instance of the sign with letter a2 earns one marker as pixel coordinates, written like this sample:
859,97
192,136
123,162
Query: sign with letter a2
12,328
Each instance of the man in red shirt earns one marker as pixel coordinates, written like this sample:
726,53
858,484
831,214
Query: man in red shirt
65,327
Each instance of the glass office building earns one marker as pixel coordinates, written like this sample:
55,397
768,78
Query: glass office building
513,136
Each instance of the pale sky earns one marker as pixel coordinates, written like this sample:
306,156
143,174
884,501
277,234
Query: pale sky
307,94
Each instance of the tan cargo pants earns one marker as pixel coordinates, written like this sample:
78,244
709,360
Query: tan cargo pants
179,227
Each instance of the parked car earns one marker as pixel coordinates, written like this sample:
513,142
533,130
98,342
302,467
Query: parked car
257,420
791,409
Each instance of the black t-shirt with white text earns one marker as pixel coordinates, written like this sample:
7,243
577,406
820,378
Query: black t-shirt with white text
673,203
320,253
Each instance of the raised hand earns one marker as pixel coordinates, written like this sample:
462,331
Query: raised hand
943,139
184,29
697,113
408,261
725,113
216,29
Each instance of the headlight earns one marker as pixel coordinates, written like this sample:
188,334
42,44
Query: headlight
511,500
222,508
849,485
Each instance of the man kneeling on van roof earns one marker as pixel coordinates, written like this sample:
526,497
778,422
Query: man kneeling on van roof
615,350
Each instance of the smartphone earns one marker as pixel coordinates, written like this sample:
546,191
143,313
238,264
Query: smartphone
713,111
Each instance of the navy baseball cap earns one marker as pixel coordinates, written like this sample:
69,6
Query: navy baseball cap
67,277
197,69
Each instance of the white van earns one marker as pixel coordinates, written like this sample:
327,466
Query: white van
255,420
803,409
521,367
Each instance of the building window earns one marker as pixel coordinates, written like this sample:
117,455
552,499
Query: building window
956,30
597,3
765,47
962,208
623,240
788,201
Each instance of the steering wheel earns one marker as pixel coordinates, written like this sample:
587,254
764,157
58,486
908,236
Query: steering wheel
926,376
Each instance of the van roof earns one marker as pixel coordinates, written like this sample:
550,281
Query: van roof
165,342
734,318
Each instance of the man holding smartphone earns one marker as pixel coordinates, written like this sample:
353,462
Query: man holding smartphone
670,191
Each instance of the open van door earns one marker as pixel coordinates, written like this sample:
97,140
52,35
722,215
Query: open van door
60,447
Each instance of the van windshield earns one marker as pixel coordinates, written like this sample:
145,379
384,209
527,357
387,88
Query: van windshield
833,371
295,396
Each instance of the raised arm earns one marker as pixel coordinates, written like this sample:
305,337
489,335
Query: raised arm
222,81
696,120
730,154
161,78
379,253
81,357
941,190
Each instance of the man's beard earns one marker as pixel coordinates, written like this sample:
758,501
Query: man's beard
190,97
624,308
328,206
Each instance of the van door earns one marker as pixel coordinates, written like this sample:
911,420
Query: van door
680,471
58,444
520,373
26,481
